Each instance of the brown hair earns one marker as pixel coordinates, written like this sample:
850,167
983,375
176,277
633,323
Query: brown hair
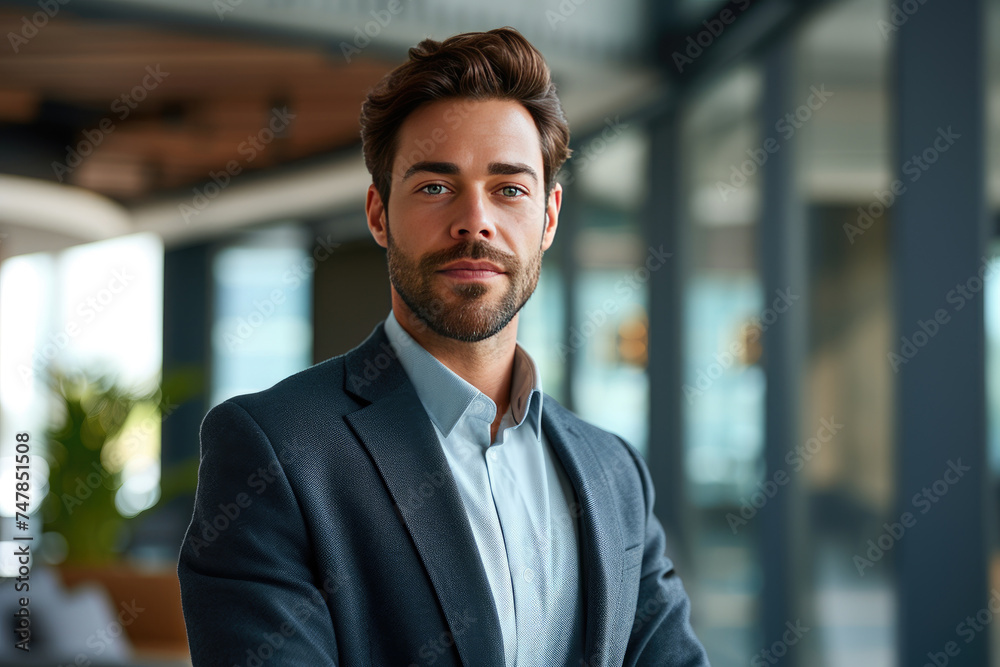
499,64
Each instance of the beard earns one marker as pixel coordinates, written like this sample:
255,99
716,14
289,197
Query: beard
462,311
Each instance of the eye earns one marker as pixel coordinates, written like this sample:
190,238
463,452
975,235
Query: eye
512,191
433,189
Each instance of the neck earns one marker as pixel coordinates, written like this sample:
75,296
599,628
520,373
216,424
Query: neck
487,365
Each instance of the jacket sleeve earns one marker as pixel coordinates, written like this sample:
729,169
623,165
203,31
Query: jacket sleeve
661,631
247,589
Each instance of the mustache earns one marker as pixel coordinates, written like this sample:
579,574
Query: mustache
470,250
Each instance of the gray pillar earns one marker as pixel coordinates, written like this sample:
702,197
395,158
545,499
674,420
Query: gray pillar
782,253
187,346
939,228
662,226
187,362
565,250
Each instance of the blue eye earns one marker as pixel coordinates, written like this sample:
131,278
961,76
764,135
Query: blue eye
511,191
433,189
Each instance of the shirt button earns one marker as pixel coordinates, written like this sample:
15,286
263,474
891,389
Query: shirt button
492,454
529,574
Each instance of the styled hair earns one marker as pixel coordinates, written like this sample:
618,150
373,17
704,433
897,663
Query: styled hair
499,64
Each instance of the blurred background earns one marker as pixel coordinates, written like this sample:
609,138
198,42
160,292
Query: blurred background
774,274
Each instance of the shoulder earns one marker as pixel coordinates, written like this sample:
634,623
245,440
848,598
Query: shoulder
620,460
316,391
321,382
617,468
335,386
566,418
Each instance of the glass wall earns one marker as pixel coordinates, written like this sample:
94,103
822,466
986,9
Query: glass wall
723,384
835,125
604,353
262,328
846,457
540,326
610,333
91,311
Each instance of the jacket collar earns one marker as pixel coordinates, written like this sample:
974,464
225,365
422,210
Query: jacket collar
446,396
396,431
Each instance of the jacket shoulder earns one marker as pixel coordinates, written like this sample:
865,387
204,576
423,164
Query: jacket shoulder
594,434
621,461
616,461
318,389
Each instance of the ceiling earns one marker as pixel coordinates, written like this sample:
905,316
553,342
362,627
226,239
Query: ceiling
165,109
128,110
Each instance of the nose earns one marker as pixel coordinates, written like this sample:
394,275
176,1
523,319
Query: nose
473,219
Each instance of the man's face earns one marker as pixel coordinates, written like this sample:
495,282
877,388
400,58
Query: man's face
467,221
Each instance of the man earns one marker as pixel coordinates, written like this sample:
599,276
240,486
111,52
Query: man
419,500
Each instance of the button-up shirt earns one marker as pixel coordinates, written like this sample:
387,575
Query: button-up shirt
517,497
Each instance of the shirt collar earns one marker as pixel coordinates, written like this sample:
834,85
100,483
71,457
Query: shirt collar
447,396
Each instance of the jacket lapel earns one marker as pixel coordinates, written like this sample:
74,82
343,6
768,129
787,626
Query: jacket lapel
602,552
396,431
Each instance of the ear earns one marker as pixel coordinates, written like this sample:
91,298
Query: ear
375,213
552,216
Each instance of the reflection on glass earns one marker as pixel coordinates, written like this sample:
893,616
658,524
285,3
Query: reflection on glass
723,386
843,159
262,331
93,309
539,330
723,378
609,338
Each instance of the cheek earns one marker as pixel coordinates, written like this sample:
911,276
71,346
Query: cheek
541,241
414,225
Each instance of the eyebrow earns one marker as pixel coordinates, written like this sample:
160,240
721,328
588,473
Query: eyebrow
450,169
510,169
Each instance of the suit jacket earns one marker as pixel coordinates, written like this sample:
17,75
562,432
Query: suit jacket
328,530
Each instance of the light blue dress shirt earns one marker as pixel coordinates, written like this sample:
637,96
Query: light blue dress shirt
521,505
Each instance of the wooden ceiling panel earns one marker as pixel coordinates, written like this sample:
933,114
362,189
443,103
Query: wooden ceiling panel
171,130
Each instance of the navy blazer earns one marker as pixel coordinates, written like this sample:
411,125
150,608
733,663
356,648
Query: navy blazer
328,530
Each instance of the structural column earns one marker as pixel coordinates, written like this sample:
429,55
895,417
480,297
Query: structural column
939,223
663,227
565,250
783,249
187,360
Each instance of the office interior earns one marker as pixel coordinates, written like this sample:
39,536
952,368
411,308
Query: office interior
774,274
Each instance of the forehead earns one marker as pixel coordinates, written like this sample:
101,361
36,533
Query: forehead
469,133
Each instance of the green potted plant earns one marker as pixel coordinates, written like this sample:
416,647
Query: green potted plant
98,431
100,434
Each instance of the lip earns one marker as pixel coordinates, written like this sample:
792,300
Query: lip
468,270
473,266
